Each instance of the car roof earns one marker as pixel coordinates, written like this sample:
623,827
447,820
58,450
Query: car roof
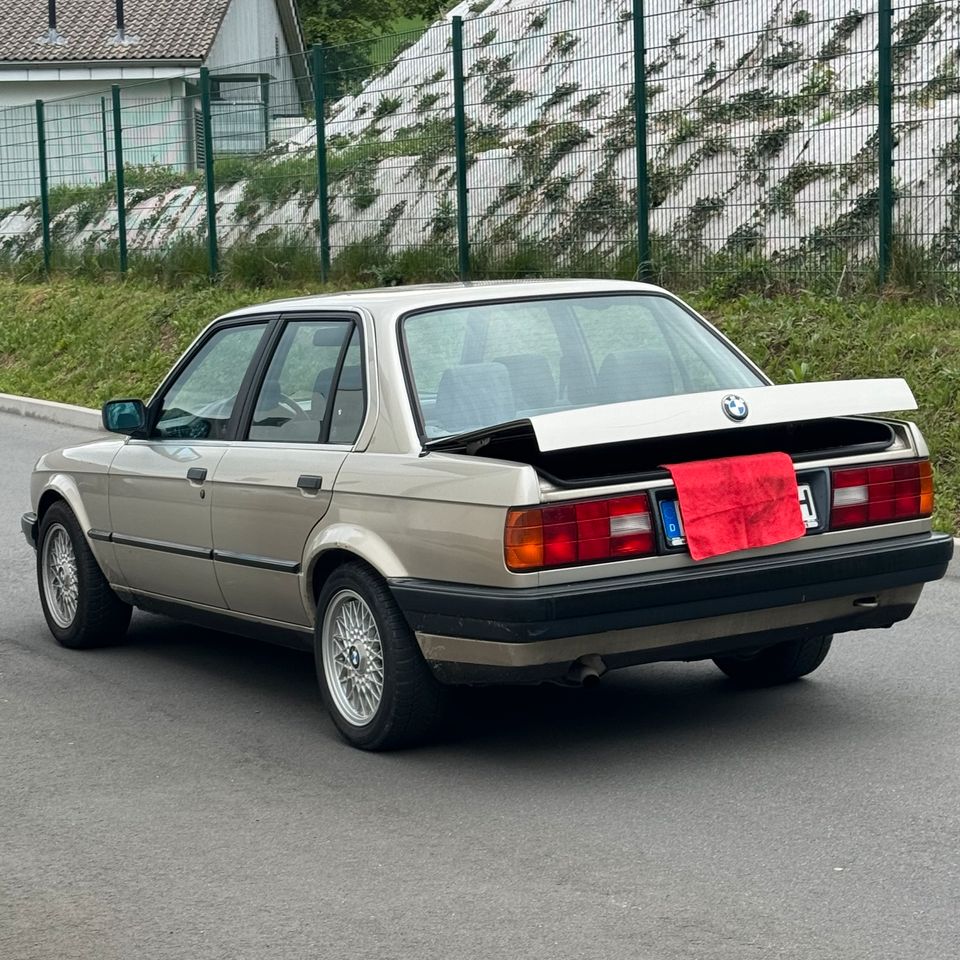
398,299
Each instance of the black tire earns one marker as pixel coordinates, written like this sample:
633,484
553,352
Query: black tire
777,664
412,700
101,618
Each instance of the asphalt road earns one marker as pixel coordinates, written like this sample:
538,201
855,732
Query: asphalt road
184,796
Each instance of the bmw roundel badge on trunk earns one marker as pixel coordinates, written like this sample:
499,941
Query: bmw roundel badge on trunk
735,407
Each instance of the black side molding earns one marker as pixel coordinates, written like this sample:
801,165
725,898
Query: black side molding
180,549
201,553
249,560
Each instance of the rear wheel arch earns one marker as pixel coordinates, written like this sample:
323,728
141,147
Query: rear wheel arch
328,548
330,560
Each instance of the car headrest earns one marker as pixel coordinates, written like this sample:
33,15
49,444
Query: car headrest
474,395
330,334
531,379
636,375
350,379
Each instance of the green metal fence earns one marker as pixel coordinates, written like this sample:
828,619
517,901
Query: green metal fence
692,142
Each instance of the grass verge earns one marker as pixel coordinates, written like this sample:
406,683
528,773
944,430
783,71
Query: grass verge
83,341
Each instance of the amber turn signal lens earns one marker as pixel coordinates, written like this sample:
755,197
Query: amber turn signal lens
926,488
523,540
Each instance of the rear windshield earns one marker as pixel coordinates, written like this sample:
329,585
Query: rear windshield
478,366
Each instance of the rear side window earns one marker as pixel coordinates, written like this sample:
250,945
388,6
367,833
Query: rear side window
346,412
478,366
313,390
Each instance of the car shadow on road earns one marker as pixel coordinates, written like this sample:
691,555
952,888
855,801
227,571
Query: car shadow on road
688,705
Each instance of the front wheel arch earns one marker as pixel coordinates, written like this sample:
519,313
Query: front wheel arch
47,499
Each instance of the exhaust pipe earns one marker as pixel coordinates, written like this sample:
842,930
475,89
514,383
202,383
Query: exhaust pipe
586,671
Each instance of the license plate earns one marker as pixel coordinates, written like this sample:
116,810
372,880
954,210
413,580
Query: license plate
673,522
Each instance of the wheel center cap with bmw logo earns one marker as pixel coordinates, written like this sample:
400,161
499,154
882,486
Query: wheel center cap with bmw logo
735,407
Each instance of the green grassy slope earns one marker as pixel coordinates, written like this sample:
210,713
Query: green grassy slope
83,342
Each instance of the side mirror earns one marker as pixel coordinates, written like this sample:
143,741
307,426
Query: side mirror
125,416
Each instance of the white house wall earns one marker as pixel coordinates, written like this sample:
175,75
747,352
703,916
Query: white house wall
156,131
254,27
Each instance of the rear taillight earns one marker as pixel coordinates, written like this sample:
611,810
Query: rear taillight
881,494
583,532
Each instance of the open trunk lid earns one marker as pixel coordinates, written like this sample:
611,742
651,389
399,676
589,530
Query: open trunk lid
626,442
706,412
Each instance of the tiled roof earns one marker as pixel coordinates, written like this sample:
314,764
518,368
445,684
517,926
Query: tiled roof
165,30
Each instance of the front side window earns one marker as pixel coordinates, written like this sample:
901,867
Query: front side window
312,391
478,366
199,403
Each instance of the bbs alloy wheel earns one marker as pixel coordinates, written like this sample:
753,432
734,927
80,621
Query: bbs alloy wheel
377,687
80,608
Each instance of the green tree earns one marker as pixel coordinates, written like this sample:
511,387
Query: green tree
358,34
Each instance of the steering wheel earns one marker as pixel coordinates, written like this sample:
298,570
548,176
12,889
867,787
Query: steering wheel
298,412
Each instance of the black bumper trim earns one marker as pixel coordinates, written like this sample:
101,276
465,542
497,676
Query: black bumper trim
671,596
30,528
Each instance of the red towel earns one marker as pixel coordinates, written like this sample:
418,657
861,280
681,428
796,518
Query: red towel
737,503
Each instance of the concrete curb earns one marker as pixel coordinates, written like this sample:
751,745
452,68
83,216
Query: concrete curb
66,414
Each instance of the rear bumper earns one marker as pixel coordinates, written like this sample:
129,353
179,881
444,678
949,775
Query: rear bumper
745,602
29,526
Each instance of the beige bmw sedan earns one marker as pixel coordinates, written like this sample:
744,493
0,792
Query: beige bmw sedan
462,484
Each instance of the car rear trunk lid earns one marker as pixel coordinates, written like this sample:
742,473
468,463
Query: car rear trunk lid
718,410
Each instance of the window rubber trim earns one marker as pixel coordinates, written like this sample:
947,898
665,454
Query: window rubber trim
410,382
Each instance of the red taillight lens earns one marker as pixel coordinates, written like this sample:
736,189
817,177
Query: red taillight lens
881,494
583,532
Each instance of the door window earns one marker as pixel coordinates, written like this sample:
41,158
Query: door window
294,404
201,400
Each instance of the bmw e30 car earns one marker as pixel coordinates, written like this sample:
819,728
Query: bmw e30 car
463,484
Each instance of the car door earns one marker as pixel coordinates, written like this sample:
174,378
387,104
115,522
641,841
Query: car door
159,487
275,482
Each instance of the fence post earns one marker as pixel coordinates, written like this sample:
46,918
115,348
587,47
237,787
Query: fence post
323,200
209,180
460,136
103,131
885,141
118,169
44,190
640,105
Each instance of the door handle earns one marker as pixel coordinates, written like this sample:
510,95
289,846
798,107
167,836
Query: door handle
197,474
310,483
